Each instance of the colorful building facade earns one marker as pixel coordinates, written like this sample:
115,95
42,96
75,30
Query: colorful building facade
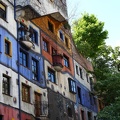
43,77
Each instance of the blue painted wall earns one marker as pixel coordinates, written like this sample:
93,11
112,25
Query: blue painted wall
27,72
85,98
9,62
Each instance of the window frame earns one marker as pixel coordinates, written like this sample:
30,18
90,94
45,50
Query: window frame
51,26
3,8
45,45
38,110
25,97
82,114
81,73
77,71
67,44
33,35
54,51
66,61
8,50
72,85
69,110
79,94
1,117
51,75
4,84
23,30
35,71
24,59
61,35
87,77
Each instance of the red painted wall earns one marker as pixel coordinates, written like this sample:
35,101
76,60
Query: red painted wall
10,113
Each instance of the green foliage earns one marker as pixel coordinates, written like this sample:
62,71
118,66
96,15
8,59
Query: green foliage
89,38
111,112
88,35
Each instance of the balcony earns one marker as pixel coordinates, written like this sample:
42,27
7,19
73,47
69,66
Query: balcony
35,8
24,38
57,62
31,8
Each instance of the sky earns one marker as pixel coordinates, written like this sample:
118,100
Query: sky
106,11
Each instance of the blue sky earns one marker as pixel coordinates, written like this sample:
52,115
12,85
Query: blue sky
106,11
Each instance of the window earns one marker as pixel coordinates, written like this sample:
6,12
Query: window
82,115
79,94
26,93
45,45
0,43
50,26
91,98
94,100
66,42
66,61
51,75
81,73
2,11
6,85
8,48
95,118
34,69
22,30
34,35
77,70
52,0
89,116
72,85
69,112
37,104
61,35
23,58
87,77
54,52
1,117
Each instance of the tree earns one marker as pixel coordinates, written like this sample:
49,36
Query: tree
88,35
89,38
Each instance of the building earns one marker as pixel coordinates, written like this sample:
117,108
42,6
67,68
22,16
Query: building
40,70
86,100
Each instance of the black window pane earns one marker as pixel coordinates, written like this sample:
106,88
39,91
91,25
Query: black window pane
6,85
2,11
51,75
34,70
33,35
23,58
7,47
50,26
72,85
66,61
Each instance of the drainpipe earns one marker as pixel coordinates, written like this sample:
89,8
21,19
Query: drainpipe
19,97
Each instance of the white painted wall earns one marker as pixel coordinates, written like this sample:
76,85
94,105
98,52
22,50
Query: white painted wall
44,7
13,87
10,23
29,107
84,80
62,84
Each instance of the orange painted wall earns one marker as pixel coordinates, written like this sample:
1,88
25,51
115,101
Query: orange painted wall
48,55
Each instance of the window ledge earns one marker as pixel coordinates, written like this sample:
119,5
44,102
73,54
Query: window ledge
24,66
8,55
7,95
27,102
4,20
